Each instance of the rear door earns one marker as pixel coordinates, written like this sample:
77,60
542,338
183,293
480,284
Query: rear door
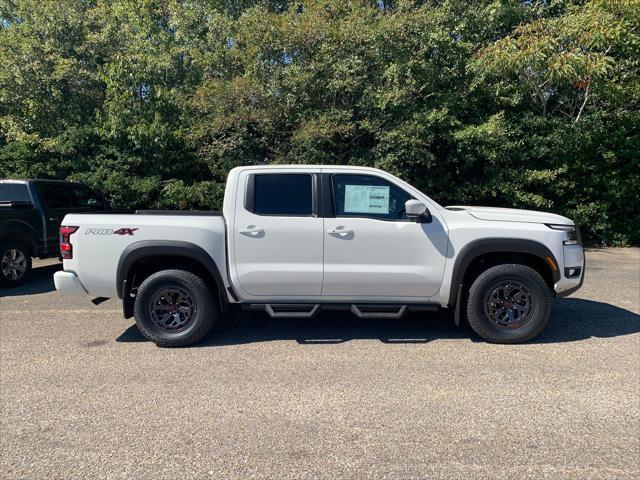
57,201
277,235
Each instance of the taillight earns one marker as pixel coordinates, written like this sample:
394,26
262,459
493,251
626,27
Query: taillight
66,249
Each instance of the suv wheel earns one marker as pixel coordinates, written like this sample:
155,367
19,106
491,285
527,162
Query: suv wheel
174,308
15,263
509,303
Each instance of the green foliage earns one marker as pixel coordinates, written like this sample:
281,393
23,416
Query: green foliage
501,102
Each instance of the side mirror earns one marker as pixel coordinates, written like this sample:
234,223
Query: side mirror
417,211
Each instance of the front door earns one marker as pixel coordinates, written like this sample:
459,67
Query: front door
371,249
277,235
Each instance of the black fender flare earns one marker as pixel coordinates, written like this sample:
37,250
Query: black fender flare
151,248
483,246
16,228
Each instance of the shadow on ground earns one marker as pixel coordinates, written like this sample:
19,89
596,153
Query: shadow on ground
41,281
240,327
572,319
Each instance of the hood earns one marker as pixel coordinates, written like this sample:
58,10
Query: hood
513,215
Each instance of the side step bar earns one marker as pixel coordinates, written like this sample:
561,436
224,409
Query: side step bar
369,310
379,311
291,310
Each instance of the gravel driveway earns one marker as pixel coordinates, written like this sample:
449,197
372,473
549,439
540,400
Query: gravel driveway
84,396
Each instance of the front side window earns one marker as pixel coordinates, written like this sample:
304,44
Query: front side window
14,192
368,196
282,194
56,196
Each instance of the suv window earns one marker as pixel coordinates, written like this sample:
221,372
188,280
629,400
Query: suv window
16,192
87,198
368,196
282,194
56,196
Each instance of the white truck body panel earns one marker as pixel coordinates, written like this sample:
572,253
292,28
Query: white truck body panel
465,229
313,259
513,215
96,254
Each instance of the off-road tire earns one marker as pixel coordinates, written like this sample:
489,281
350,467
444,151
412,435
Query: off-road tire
194,289
15,245
479,296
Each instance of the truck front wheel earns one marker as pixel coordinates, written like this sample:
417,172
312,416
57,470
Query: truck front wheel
175,308
509,303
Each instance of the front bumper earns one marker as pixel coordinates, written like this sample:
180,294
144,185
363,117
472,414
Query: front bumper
68,283
573,258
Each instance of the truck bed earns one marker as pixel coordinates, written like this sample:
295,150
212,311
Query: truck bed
102,238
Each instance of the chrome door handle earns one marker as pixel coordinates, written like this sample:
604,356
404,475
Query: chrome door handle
251,231
340,231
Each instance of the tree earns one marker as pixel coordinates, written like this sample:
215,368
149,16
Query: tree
510,103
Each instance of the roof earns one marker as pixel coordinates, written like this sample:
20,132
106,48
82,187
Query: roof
304,167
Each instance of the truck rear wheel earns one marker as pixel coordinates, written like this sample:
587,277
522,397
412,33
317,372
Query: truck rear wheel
175,308
15,263
509,303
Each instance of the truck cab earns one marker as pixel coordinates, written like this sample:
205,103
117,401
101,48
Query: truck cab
331,234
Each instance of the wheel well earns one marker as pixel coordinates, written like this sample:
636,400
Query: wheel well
147,266
488,260
22,238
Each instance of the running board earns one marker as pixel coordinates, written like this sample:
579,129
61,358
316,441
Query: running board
288,310
379,311
360,310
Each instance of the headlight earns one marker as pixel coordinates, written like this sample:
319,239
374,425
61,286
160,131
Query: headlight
571,231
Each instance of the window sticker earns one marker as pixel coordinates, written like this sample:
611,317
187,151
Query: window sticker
366,199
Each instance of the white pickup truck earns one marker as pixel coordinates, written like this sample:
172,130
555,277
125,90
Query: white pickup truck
294,240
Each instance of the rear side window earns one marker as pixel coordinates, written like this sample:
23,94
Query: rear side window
56,196
14,192
282,194
87,198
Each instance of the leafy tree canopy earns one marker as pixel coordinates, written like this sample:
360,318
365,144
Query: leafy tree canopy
527,104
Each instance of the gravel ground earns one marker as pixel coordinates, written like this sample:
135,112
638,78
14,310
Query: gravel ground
84,396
